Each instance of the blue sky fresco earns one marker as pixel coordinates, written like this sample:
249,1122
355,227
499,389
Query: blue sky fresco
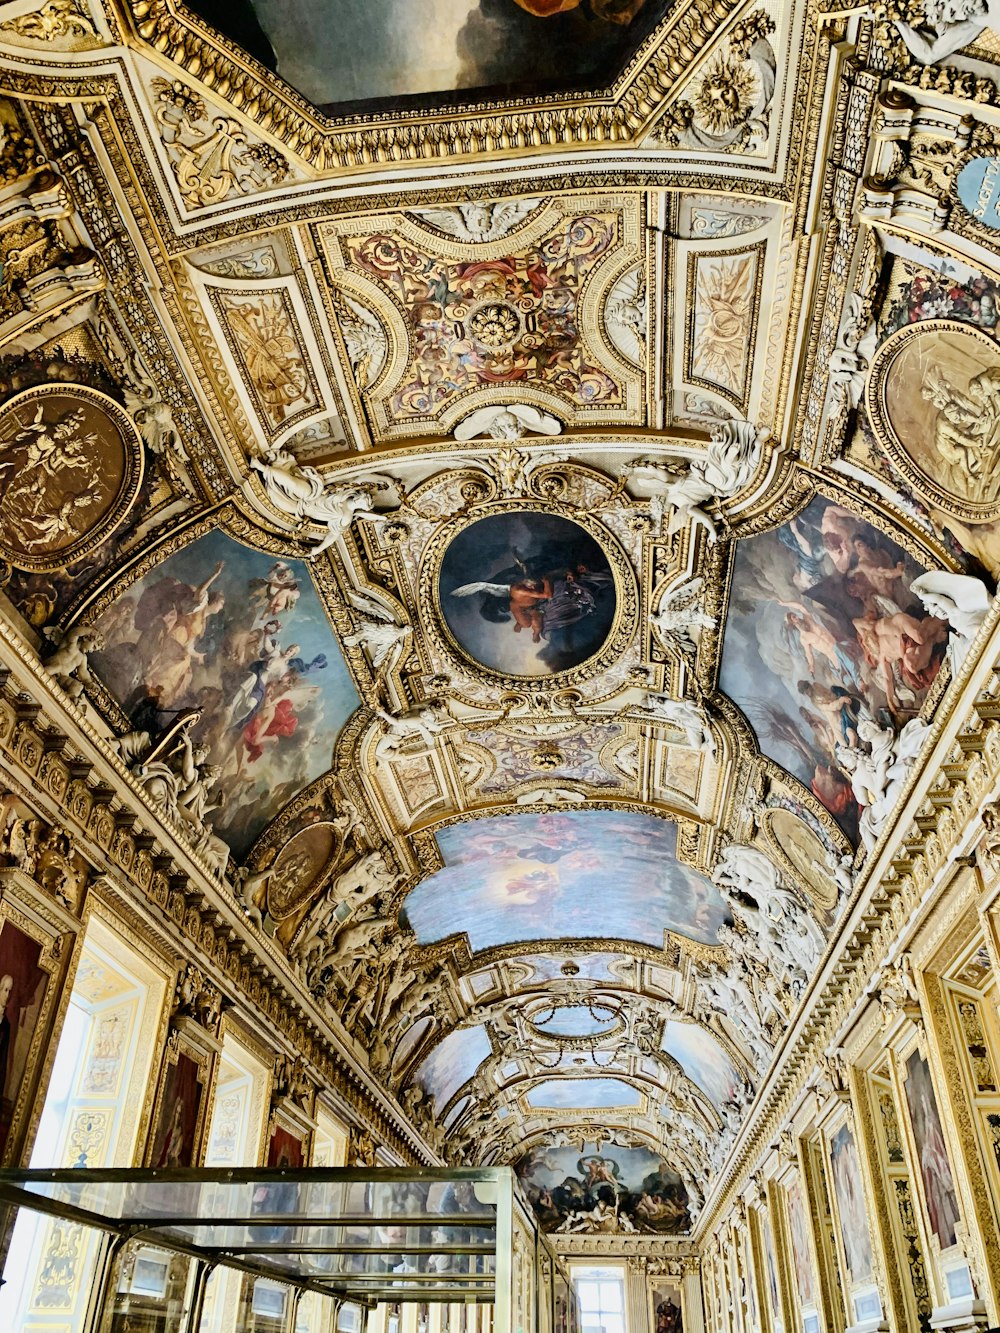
702,1059
453,1063
546,876
588,1094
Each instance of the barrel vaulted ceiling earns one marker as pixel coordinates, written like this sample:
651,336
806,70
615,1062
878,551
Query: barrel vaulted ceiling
487,498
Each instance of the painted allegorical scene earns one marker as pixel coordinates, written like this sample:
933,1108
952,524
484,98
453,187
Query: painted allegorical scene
541,598
958,294
934,399
582,1094
66,470
606,1187
823,630
703,1060
502,45
846,1171
243,638
546,876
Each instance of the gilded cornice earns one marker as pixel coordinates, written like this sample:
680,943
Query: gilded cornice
62,758
931,827
519,125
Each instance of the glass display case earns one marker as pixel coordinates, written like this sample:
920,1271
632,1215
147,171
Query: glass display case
405,1245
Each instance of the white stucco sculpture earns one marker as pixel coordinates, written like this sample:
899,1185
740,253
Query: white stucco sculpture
728,466
948,26
510,421
961,600
879,767
680,618
303,494
685,715
377,632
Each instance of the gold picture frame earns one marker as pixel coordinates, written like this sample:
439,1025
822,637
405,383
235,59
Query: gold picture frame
621,631
33,957
180,1111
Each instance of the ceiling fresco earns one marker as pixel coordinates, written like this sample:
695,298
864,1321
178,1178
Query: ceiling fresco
500,298
481,48
823,630
574,1190
518,577
535,876
241,640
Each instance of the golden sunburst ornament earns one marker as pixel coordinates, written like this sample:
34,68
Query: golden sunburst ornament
727,94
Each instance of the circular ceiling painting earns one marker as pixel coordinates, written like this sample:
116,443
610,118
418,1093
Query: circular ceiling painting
934,399
70,468
527,593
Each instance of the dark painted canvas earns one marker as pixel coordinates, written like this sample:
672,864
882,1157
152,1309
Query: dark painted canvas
22,990
527,593
174,1137
349,51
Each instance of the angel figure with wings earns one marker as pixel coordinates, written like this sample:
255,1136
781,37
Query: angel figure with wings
524,600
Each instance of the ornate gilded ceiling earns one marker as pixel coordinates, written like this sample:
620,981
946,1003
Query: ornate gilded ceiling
474,526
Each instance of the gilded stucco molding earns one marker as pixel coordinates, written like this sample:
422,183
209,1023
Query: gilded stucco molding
581,120
930,828
122,837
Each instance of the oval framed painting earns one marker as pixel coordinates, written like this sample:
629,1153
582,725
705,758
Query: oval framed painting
802,856
71,463
933,397
301,869
529,592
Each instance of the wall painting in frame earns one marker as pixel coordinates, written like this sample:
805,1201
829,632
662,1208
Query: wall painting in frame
27,993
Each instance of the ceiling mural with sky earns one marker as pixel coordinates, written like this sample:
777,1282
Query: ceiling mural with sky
539,876
521,608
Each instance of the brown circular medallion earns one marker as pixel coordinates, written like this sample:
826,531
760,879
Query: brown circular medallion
300,869
71,465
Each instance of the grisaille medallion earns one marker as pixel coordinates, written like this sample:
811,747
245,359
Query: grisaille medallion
934,400
300,869
71,465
